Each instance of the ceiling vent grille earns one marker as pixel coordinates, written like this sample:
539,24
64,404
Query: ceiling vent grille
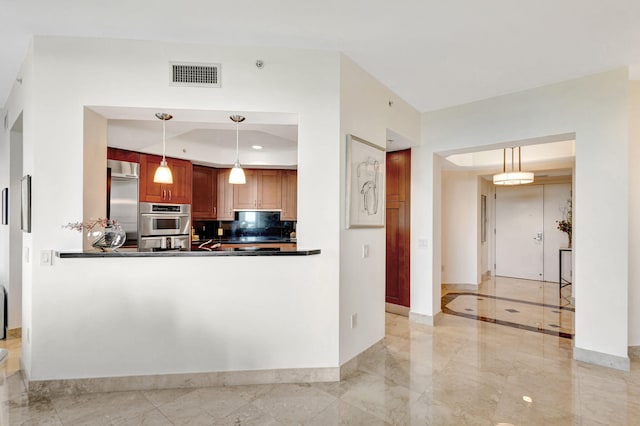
195,74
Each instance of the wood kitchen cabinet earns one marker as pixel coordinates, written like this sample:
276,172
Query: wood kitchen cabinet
289,195
204,193
225,196
177,193
123,155
263,191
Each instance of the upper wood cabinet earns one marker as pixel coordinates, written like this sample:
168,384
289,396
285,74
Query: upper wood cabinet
225,196
263,191
245,196
123,155
177,193
204,191
289,195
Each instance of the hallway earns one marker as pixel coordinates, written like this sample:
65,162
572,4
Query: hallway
529,305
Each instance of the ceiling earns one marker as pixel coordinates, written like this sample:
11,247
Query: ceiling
206,137
433,54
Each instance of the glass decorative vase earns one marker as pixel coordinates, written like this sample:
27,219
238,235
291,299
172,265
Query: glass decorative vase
109,236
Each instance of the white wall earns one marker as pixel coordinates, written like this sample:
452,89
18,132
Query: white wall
94,150
634,214
460,228
486,248
76,303
14,284
365,113
596,109
12,239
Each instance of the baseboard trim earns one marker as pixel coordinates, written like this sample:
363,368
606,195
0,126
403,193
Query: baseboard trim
459,287
353,364
396,309
634,353
49,388
599,358
14,333
425,319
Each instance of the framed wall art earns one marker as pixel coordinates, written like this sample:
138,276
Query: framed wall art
5,206
25,206
365,184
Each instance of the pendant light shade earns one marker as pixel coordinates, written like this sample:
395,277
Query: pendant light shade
237,176
163,172
513,177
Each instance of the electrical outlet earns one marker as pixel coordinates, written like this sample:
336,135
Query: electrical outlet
220,231
26,254
365,251
423,243
354,320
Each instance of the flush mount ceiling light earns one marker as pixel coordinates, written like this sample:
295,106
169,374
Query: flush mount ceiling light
237,174
512,177
163,172
256,146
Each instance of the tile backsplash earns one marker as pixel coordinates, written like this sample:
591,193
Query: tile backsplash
246,224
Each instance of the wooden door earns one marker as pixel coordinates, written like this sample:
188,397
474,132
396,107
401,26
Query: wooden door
269,189
397,256
398,220
289,195
205,184
246,196
225,196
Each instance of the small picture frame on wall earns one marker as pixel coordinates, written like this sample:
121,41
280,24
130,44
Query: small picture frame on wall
365,184
25,206
5,206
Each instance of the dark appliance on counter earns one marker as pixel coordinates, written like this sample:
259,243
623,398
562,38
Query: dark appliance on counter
122,197
164,227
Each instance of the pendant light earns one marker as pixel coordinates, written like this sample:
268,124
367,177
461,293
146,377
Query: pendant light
237,174
163,172
512,177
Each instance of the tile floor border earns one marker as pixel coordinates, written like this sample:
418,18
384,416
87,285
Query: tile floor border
52,388
447,298
599,358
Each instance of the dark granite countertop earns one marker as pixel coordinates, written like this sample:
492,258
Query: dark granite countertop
188,253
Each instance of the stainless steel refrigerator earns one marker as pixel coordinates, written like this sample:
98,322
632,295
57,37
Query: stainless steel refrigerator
122,194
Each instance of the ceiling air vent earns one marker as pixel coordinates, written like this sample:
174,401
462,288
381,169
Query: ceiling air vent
195,74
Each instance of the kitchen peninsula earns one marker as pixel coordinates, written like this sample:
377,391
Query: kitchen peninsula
249,251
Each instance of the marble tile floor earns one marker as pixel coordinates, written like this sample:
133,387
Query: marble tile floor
533,305
462,372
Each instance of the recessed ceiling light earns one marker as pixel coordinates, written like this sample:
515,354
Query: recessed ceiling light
256,146
527,398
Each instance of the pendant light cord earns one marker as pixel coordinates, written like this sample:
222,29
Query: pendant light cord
164,138
237,143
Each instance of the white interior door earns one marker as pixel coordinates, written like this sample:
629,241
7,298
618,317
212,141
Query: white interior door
520,232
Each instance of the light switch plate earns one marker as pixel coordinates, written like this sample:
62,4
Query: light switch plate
45,257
